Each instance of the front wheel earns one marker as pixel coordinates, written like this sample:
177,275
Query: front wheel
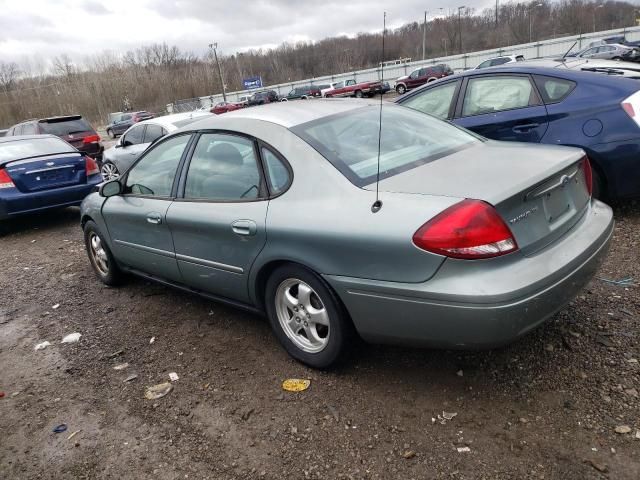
109,171
111,134
307,317
358,94
100,255
401,89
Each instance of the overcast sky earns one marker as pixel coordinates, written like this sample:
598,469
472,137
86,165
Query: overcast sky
47,28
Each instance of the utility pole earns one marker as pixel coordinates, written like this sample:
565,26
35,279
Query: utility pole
214,46
424,34
531,7
496,14
460,25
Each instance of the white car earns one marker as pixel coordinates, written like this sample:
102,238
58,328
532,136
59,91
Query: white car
494,62
138,137
244,99
331,86
608,67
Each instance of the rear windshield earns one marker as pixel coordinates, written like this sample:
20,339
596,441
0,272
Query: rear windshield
65,127
409,139
35,147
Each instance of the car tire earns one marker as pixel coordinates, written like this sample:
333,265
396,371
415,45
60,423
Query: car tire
598,189
111,134
358,94
100,256
431,79
316,344
616,59
109,171
401,89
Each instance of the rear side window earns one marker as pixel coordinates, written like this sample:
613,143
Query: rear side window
153,133
435,101
277,173
554,89
64,127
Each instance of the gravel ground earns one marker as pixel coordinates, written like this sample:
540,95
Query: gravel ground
545,407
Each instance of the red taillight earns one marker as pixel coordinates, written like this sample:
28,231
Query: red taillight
470,229
91,139
627,107
91,166
588,175
5,179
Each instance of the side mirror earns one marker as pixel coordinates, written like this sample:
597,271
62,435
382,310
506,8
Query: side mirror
110,188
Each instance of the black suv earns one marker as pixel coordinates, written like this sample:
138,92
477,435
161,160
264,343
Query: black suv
260,98
303,93
73,129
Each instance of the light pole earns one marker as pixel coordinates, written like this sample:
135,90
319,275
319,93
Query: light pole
214,46
594,15
531,7
460,25
424,34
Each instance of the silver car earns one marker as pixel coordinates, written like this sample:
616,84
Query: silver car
469,243
138,137
608,52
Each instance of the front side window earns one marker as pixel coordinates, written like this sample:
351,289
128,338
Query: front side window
497,93
277,173
134,136
485,64
153,133
154,173
500,61
409,139
29,129
223,167
435,101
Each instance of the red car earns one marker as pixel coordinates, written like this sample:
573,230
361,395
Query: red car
224,107
352,89
421,76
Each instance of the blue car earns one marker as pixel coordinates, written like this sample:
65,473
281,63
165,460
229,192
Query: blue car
39,172
598,113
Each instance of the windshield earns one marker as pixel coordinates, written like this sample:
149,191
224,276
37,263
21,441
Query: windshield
35,147
409,139
61,128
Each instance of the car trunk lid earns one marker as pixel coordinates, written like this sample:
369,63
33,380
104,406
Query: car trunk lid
540,192
45,172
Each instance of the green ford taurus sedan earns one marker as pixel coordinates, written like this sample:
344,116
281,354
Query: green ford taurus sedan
428,235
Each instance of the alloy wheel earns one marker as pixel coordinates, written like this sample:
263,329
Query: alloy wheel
98,254
109,171
302,315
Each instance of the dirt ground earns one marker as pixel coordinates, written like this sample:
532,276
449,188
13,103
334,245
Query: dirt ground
546,407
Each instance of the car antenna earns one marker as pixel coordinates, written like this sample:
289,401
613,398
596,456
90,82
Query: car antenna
570,48
377,205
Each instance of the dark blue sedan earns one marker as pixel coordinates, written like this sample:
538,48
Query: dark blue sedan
38,172
598,113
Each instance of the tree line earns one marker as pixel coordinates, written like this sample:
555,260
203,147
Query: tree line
152,76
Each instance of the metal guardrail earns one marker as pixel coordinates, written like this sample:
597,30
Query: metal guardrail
545,48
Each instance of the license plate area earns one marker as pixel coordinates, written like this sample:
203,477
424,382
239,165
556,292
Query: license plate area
556,203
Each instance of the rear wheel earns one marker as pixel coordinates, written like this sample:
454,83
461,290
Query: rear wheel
100,256
599,190
432,79
358,94
109,171
616,58
307,317
401,89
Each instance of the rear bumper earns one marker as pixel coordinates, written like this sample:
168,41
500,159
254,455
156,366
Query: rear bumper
17,203
480,304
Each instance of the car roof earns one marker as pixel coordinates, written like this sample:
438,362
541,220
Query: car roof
170,120
289,114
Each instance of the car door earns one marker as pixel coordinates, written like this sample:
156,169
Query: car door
218,219
590,53
137,219
123,124
502,107
131,146
437,100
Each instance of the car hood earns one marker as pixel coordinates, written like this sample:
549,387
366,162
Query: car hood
489,170
404,77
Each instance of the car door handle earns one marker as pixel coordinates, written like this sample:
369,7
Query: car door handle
244,227
154,218
525,128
